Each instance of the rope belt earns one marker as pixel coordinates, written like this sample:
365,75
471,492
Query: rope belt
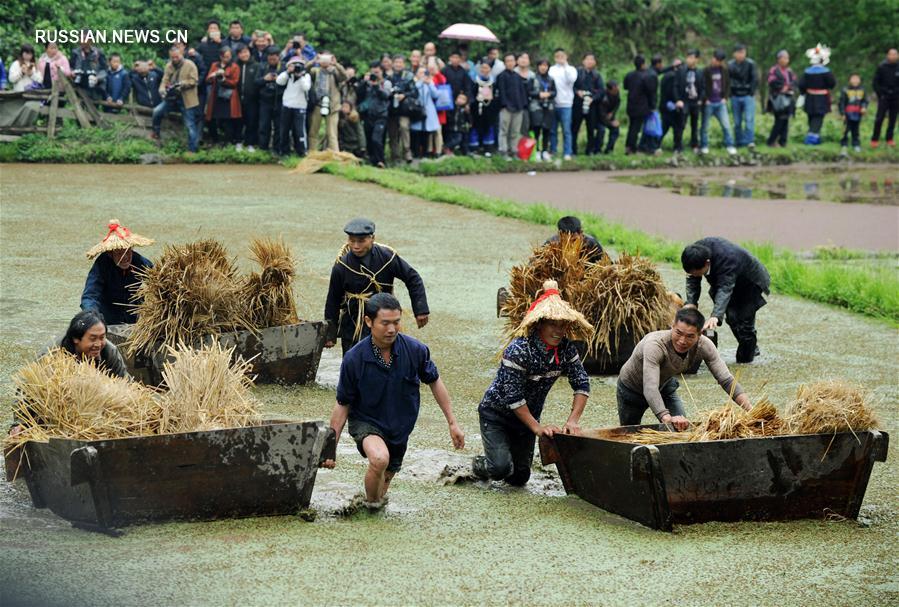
363,297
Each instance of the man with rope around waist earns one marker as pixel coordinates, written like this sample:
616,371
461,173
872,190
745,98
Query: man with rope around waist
362,269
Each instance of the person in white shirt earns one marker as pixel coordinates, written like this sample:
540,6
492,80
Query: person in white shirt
297,83
23,73
564,76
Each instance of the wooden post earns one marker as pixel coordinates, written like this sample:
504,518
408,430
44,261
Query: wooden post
54,107
74,100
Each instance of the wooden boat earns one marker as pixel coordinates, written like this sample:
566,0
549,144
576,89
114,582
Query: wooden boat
775,478
101,485
289,354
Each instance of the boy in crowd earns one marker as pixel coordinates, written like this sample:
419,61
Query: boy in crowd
459,126
853,105
118,83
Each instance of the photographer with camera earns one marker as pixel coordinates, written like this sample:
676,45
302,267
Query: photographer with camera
89,68
542,94
374,95
326,81
298,47
223,105
427,123
270,100
295,102
588,90
249,99
178,90
404,90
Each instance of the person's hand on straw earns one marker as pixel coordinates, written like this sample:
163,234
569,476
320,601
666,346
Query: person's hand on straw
679,422
744,401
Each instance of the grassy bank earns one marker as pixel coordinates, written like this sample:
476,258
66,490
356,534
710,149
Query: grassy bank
870,291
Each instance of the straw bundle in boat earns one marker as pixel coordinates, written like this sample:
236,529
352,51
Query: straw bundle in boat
269,292
61,397
626,296
730,421
828,407
206,390
193,290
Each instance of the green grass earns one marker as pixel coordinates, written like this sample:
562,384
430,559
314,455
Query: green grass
873,291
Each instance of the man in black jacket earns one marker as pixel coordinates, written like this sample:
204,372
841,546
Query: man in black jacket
269,94
737,282
364,268
588,91
145,84
886,85
744,81
641,85
671,106
398,123
608,106
691,83
512,96
248,89
457,75
374,93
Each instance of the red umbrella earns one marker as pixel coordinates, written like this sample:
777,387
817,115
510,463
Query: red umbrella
469,31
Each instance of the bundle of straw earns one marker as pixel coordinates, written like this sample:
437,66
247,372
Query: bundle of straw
315,161
730,421
829,407
269,293
193,291
206,390
626,296
60,397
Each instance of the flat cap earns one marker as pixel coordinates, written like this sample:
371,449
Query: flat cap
360,227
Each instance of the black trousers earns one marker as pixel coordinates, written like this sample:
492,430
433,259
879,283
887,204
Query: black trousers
693,112
293,130
815,121
614,131
674,120
231,127
887,105
635,125
745,302
269,122
375,131
851,130
250,121
508,449
780,130
541,138
590,120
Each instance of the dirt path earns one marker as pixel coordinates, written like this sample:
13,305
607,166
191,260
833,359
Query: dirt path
795,224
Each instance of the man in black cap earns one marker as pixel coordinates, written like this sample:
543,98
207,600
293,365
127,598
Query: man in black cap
571,226
364,268
737,282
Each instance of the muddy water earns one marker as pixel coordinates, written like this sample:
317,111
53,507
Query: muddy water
831,184
436,542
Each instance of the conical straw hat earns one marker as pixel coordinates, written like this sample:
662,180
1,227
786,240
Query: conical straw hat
551,306
119,238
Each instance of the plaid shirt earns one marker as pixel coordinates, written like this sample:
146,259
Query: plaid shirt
528,370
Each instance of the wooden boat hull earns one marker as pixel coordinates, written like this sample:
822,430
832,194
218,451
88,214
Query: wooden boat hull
238,472
775,478
281,355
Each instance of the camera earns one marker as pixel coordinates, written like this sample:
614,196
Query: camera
325,105
295,44
373,77
588,99
173,92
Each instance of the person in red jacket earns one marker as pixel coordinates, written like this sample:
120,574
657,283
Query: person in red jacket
223,102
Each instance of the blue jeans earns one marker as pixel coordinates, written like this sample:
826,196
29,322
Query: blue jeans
719,111
744,109
188,116
563,117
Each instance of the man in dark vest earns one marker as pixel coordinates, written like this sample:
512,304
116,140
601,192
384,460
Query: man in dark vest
363,269
737,282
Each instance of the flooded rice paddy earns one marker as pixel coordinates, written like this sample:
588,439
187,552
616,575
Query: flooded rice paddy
442,539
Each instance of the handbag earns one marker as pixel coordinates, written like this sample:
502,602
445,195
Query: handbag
223,93
781,103
444,101
652,125
413,108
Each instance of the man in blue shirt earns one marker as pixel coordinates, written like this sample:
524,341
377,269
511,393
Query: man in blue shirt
378,392
511,408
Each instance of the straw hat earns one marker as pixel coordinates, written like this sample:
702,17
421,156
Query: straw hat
820,54
551,306
119,238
